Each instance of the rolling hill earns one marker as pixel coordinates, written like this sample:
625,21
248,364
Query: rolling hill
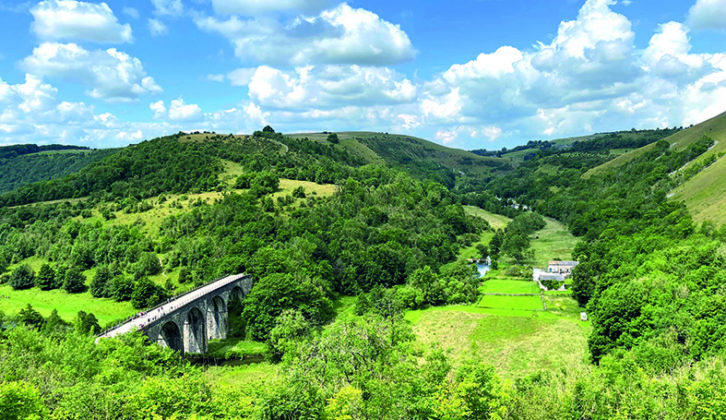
415,155
705,193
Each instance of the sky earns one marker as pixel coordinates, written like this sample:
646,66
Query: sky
469,74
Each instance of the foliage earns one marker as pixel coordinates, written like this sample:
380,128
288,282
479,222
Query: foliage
147,294
74,281
46,278
22,278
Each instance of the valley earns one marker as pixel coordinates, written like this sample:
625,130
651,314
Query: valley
360,250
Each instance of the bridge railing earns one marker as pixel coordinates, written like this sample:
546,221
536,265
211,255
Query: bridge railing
136,315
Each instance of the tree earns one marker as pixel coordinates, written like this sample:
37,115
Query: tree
31,317
183,275
299,192
148,265
100,283
121,288
290,327
275,293
333,138
45,280
75,281
54,324
86,323
22,278
146,294
268,129
263,183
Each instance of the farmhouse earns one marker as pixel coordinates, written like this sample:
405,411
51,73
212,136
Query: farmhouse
562,267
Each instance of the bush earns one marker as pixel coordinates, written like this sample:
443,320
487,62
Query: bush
146,294
45,279
22,278
75,281
120,288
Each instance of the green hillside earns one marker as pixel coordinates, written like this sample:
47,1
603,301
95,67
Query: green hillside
417,156
705,192
17,169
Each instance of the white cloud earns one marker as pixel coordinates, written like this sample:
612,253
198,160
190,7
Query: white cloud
110,74
158,108
491,132
708,14
75,20
256,7
157,27
329,87
337,36
168,7
32,113
179,111
131,12
219,78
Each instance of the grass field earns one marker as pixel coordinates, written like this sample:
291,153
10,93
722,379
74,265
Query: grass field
497,221
508,286
235,348
68,305
515,345
519,303
553,242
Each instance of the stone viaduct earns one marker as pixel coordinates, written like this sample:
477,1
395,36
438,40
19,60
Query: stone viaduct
187,322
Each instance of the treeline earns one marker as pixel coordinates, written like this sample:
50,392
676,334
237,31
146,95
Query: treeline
605,142
15,150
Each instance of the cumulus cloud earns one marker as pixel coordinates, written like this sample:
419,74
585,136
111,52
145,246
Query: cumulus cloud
158,108
110,74
32,113
256,7
708,14
337,36
590,76
157,27
81,21
328,86
179,111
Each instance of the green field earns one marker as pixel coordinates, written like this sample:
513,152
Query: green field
517,303
553,242
509,286
68,305
496,221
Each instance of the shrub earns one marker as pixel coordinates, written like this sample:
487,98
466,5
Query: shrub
22,278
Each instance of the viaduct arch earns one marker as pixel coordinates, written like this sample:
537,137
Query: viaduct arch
187,322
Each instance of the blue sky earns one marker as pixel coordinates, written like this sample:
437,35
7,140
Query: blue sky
469,74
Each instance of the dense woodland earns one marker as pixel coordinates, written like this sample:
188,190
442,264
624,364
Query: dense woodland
652,281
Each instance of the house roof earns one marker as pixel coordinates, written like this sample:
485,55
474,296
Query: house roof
570,263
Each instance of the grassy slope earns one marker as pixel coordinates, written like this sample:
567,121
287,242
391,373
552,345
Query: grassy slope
553,242
497,221
714,127
705,193
395,148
